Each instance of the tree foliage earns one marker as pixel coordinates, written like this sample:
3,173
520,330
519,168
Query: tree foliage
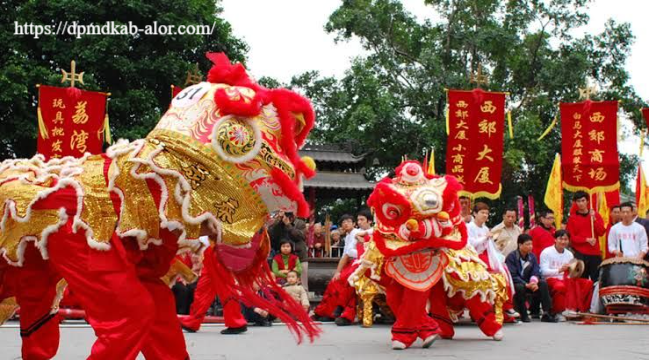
137,70
392,100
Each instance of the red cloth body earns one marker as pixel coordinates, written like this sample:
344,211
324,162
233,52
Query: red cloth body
339,293
541,239
571,294
579,228
206,290
409,308
39,329
126,303
481,311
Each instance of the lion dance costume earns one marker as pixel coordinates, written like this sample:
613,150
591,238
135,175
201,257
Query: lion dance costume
418,254
222,157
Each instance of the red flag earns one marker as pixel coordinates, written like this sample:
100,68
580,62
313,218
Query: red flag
70,123
589,156
521,213
645,113
175,90
474,151
532,210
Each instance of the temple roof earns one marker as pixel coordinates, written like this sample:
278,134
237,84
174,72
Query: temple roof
330,153
339,180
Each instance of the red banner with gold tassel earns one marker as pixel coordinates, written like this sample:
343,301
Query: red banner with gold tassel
589,156
474,152
71,122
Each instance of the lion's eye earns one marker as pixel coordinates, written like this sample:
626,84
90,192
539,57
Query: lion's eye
391,211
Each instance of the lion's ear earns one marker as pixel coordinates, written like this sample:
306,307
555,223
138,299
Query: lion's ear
452,184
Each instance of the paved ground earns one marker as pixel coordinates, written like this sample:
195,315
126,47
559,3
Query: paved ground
522,342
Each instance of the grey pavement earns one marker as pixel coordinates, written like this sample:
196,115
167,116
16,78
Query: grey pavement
522,342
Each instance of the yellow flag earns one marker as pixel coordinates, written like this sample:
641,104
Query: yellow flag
604,212
431,162
554,192
641,193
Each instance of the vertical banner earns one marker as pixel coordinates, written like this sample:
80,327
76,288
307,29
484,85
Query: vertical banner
532,209
645,113
474,150
589,156
70,123
521,213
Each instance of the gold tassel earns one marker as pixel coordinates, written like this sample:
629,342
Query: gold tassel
509,122
108,138
547,131
42,129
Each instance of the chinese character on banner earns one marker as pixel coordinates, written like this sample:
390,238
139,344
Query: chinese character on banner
475,141
589,156
70,123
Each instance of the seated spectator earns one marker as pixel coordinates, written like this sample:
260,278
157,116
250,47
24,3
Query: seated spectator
257,316
337,243
296,290
285,261
567,294
524,269
316,240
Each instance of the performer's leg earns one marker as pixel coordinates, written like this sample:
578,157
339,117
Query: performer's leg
203,297
231,308
348,296
165,340
39,328
117,305
439,311
412,318
483,314
330,299
558,291
581,291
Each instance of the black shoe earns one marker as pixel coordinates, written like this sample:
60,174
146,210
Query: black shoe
549,318
188,329
234,331
322,318
526,319
341,321
536,316
264,323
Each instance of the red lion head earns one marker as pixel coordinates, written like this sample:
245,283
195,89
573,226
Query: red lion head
416,210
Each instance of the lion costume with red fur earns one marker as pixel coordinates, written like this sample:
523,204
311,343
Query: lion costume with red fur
418,254
223,156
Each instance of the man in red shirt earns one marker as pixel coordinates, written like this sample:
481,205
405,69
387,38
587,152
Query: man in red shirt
584,227
543,234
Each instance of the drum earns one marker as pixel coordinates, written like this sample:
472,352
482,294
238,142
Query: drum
624,285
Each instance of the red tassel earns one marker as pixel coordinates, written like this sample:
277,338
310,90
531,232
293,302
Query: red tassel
285,308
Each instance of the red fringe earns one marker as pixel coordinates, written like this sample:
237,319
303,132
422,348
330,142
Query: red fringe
285,308
240,107
225,72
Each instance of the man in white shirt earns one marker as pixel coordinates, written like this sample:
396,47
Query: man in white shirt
506,233
481,239
567,294
628,238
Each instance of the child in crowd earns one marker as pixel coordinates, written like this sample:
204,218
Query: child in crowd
285,261
296,290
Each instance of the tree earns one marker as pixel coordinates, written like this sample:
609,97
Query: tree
136,69
393,100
